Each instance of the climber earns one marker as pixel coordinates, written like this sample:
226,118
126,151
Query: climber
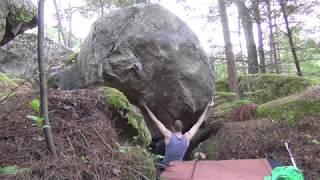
176,142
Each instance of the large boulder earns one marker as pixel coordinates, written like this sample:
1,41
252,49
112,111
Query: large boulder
147,52
16,16
19,56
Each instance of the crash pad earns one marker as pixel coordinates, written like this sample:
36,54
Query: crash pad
248,169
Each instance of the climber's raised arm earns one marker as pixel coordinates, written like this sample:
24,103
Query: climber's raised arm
201,119
164,131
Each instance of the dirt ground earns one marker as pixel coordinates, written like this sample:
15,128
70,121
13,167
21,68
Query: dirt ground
86,140
265,138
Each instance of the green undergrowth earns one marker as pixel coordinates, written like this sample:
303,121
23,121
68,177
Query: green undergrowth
6,84
116,99
9,80
12,170
71,59
222,97
290,109
142,161
228,106
262,88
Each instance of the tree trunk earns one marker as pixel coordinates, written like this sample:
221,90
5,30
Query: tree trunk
59,25
260,39
240,45
289,34
102,8
42,78
232,71
253,66
272,53
69,17
276,45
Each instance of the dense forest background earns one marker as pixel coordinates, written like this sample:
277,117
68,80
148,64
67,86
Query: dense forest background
240,36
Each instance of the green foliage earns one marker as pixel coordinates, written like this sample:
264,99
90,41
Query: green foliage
308,53
9,80
12,170
220,70
290,109
222,97
24,16
124,149
103,6
116,99
37,120
144,162
7,84
35,105
261,88
227,106
71,59
208,147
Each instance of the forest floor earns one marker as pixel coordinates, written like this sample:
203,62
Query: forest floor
88,143
245,136
265,138
86,140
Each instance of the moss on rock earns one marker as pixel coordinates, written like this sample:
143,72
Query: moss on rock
25,14
261,88
116,99
290,109
71,59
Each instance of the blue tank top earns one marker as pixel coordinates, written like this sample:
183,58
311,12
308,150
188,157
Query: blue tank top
176,149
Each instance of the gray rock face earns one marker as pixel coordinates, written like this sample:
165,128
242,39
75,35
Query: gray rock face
147,52
16,16
19,56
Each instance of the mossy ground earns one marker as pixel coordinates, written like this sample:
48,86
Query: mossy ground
290,109
229,105
262,88
119,101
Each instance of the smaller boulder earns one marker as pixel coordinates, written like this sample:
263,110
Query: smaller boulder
16,16
19,57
